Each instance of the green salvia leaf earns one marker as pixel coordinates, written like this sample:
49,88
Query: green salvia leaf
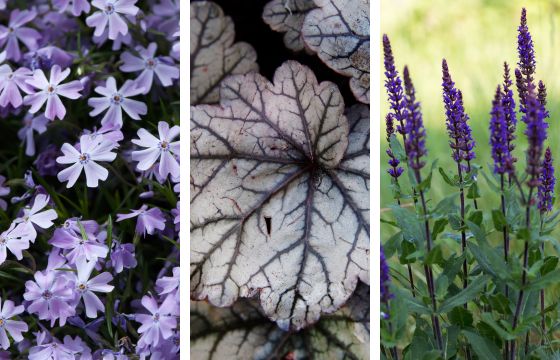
465,295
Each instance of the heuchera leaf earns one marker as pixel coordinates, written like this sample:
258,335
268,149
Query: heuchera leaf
214,56
338,31
288,16
243,332
279,196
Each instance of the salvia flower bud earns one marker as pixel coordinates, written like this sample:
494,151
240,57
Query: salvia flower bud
395,170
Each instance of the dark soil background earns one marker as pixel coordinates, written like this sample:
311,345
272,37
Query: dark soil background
271,52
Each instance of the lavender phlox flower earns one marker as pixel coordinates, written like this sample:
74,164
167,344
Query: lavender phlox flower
86,287
75,225
499,136
49,296
33,216
110,131
16,239
50,90
45,163
116,100
92,150
393,84
16,32
3,4
31,125
4,190
111,13
78,348
176,213
536,132
415,143
149,64
8,311
163,149
159,323
54,350
12,83
75,7
79,246
169,285
118,42
548,180
461,141
149,220
46,57
122,256
167,12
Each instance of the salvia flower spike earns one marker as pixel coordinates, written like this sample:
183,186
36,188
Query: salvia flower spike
499,135
548,180
536,133
394,87
508,105
395,170
415,143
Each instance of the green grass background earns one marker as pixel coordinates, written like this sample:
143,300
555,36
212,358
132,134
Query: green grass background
476,37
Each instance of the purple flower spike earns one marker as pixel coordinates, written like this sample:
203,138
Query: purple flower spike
148,220
499,136
525,48
50,90
548,180
110,13
541,94
116,100
393,84
461,141
16,32
149,64
9,326
415,143
163,149
395,170
508,106
536,135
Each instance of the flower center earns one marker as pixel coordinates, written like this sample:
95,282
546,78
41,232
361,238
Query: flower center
50,89
151,63
47,295
117,98
164,145
156,317
82,287
3,241
11,29
109,9
2,322
11,76
84,158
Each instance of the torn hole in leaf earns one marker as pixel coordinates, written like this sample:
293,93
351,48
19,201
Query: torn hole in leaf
268,222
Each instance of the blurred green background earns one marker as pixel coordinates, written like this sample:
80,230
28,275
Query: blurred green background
476,37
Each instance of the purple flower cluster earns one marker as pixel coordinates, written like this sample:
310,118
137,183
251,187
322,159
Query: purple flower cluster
395,170
527,62
393,84
92,86
548,180
536,132
415,143
461,141
508,107
499,133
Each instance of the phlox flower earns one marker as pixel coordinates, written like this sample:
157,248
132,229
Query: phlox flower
4,190
110,131
46,57
116,100
16,32
160,323
163,149
149,64
11,83
3,4
50,296
148,219
8,326
16,239
54,349
86,287
78,246
92,149
33,216
76,7
110,13
46,161
122,256
49,91
31,125
169,284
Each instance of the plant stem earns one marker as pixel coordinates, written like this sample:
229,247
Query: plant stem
543,323
463,234
427,269
524,275
505,229
410,277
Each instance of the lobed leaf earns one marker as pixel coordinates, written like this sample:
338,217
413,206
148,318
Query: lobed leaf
280,196
287,16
